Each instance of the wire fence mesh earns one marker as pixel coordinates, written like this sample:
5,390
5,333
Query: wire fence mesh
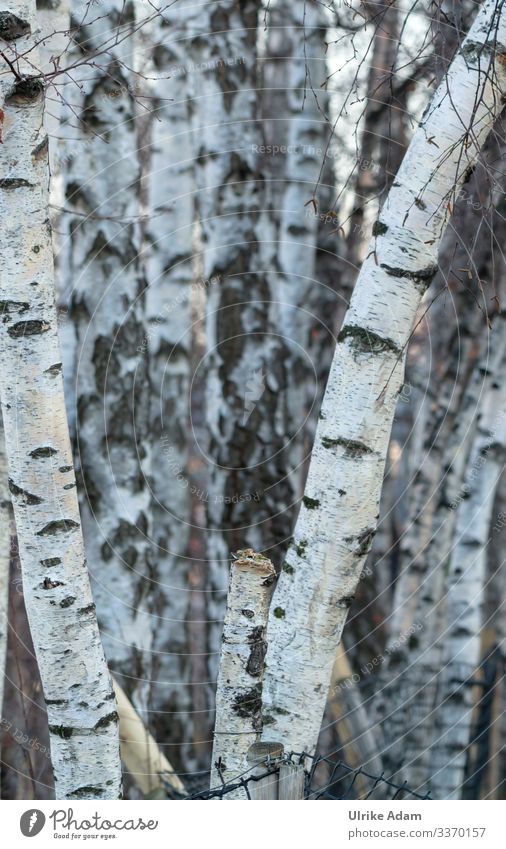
326,778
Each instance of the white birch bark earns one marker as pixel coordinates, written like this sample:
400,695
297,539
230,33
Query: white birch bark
83,722
407,694
168,250
239,688
248,489
5,552
462,636
339,511
304,26
102,200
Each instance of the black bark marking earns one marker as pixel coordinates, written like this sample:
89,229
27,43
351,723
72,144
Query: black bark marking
6,307
255,663
57,526
26,89
363,541
345,602
48,584
85,791
249,614
28,497
51,561
366,342
68,601
63,731
379,228
54,369
11,183
310,503
88,609
249,703
301,547
43,451
423,277
64,469
353,448
31,327
279,612
107,720
12,27
288,568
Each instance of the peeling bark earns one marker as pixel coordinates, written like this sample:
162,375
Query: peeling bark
239,689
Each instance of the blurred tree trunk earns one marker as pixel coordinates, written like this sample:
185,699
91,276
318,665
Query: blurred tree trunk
338,516
248,491
169,188
83,722
461,642
305,108
107,308
409,682
383,137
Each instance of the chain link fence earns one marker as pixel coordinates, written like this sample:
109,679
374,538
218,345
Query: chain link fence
325,777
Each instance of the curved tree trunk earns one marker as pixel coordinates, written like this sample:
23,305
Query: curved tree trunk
83,722
107,310
339,511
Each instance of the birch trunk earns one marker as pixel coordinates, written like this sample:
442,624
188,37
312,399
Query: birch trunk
169,188
339,512
304,26
462,638
409,683
108,312
248,490
239,689
383,137
83,722
5,556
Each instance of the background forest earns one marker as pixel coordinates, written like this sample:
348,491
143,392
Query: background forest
229,201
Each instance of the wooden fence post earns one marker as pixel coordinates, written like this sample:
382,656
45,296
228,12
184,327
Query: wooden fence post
261,756
291,781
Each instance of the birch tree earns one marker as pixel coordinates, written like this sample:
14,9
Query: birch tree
169,184
411,681
339,512
239,688
304,32
248,490
102,204
464,608
5,551
83,722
